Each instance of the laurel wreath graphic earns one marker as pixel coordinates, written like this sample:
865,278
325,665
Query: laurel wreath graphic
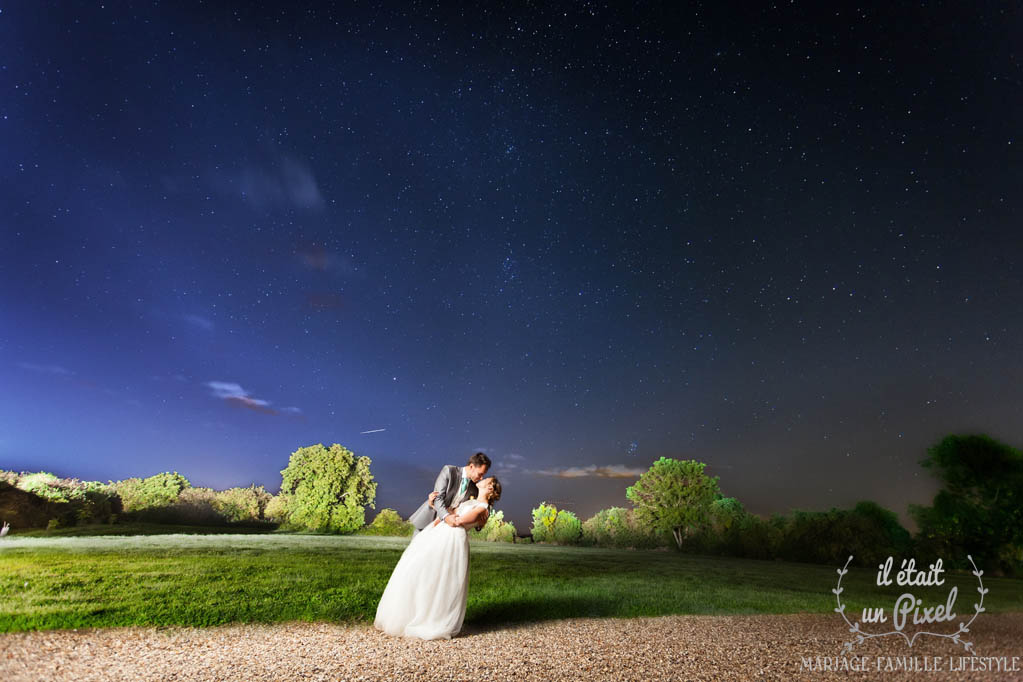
862,636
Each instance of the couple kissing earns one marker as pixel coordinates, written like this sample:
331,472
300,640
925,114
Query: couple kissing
427,592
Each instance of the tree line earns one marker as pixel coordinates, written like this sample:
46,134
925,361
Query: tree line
977,512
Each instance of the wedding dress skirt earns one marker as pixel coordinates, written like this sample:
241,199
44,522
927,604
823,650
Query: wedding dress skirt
426,594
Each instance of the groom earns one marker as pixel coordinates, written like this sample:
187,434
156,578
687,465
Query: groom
454,485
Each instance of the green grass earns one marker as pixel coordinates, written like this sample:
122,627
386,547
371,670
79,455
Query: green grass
71,582
132,528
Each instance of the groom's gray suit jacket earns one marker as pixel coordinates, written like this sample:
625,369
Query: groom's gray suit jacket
447,484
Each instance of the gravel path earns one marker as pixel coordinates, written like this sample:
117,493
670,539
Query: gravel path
668,648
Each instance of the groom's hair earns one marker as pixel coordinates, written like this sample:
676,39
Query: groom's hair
479,459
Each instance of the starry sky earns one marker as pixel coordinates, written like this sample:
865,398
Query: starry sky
782,240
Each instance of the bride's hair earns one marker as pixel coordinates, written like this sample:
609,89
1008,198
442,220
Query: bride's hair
495,491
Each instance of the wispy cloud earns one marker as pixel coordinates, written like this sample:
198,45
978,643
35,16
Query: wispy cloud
55,370
237,396
199,321
516,456
607,471
291,410
288,183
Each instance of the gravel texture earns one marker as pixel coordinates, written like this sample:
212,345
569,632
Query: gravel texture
668,648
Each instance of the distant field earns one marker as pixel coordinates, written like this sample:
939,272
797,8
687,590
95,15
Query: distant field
74,582
139,529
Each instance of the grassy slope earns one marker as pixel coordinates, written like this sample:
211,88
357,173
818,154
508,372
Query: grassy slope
211,579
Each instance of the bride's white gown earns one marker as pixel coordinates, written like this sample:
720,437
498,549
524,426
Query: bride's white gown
426,594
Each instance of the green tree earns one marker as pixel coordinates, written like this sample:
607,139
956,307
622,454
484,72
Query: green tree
327,489
674,495
725,513
979,510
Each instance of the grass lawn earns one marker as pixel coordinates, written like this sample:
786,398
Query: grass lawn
207,579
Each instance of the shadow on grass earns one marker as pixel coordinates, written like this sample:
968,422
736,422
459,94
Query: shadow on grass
497,615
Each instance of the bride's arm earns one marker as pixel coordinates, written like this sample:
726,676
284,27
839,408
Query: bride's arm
469,518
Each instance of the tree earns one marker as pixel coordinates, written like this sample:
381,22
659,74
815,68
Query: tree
979,510
674,495
327,489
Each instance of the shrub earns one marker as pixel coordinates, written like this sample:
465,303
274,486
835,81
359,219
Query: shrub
496,529
619,527
242,504
606,528
161,490
71,500
98,503
568,530
194,506
45,485
544,518
276,509
553,525
388,522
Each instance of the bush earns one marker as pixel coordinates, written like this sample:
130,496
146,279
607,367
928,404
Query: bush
868,531
619,527
568,530
43,484
496,529
71,501
551,525
388,522
242,504
544,518
98,504
606,528
161,490
194,506
276,509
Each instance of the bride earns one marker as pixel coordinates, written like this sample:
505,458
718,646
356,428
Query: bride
426,594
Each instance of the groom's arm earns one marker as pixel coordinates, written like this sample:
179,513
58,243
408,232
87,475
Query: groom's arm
440,487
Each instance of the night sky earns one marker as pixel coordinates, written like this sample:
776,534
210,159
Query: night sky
784,241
